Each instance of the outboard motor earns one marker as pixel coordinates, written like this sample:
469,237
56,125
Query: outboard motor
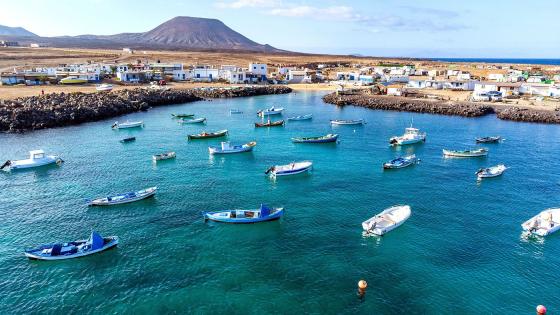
6,164
269,170
393,141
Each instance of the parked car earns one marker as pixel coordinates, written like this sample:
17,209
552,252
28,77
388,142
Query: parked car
495,96
481,97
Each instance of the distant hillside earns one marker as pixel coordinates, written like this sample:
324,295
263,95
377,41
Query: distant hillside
181,32
14,31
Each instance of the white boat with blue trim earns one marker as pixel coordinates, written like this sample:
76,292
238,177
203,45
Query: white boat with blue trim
401,162
127,124
302,117
60,251
348,122
270,111
411,136
465,153
493,171
37,158
227,148
124,198
264,213
544,223
290,169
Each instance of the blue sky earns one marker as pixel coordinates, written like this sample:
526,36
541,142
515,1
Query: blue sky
429,28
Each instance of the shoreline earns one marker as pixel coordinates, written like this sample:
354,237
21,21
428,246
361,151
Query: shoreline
450,108
65,109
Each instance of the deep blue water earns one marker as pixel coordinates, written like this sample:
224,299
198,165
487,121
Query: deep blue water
532,61
461,252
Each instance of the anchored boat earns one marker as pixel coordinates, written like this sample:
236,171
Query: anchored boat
401,162
227,148
127,124
322,139
302,117
269,123
193,121
411,136
129,139
488,139
264,213
104,87
164,156
388,220
182,115
124,198
348,122
206,135
270,111
235,111
289,169
73,80
75,249
491,171
544,223
36,158
465,153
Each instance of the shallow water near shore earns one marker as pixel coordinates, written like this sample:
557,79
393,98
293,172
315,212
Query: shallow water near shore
460,252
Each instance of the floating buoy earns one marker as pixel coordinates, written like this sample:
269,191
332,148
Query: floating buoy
541,310
362,285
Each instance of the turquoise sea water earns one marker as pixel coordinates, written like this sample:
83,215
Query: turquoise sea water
460,252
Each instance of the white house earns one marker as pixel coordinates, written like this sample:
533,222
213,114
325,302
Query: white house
301,76
233,74
459,85
181,75
259,69
367,79
348,76
463,75
395,89
540,89
285,70
134,76
205,73
499,77
396,78
435,73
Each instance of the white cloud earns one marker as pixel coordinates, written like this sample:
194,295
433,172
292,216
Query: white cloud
238,4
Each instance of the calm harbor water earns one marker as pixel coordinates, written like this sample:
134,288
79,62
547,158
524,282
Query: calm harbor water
460,252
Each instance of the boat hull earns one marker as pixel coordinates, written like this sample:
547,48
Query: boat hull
543,227
27,164
128,125
212,217
209,136
299,118
449,153
347,122
111,244
404,213
150,192
333,138
236,149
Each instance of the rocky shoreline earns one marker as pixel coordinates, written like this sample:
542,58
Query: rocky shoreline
64,109
465,109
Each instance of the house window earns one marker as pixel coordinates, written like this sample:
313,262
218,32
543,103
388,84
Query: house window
254,68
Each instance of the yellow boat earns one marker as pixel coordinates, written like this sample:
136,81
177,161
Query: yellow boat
73,80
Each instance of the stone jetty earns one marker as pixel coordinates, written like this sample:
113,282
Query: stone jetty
465,109
63,109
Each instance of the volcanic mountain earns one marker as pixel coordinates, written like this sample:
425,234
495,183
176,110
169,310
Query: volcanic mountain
181,32
14,31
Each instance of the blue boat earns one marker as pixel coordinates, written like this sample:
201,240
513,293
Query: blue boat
264,213
75,249
401,162
322,139
226,148
289,169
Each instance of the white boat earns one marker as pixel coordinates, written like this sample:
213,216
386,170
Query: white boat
491,171
271,111
124,198
348,122
164,156
386,221
60,251
465,153
411,135
544,223
193,121
290,169
227,148
401,162
104,87
127,124
73,80
36,158
302,117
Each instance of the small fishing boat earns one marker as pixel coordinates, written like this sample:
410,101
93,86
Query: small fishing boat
124,198
235,111
322,139
270,111
386,221
488,139
411,136
73,80
127,124
303,117
465,153
401,162
207,135
490,171
269,123
227,148
544,223
182,115
348,122
59,251
104,87
264,213
36,158
289,169
193,121
129,139
163,156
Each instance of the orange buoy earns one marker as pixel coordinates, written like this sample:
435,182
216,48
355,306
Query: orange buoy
362,285
541,310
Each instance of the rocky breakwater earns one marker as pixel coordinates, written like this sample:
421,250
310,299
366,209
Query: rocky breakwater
63,109
529,115
465,109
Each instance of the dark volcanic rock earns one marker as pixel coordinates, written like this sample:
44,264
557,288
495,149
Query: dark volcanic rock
60,109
